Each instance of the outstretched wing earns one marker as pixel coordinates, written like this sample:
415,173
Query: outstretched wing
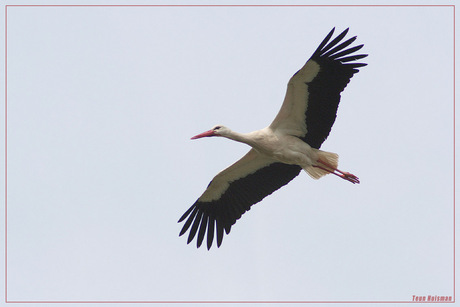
232,192
313,94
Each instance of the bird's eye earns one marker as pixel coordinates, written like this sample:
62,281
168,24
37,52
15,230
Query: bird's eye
217,128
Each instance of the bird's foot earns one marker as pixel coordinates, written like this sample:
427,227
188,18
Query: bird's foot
350,177
344,175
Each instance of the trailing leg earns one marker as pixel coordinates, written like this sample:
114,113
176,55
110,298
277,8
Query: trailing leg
333,170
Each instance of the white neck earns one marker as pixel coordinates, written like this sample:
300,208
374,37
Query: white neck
246,138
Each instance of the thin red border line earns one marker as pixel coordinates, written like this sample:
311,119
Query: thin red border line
6,164
217,5
454,143
231,5
224,302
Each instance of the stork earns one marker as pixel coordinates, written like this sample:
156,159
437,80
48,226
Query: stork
280,151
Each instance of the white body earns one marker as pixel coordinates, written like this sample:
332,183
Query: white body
277,146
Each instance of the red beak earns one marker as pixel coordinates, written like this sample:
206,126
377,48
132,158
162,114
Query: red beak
204,134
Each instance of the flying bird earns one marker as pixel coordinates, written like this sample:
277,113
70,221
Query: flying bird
280,151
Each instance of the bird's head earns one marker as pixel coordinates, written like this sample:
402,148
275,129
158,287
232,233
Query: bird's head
218,130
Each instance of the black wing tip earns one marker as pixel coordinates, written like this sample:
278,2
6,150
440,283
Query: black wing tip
323,43
201,223
331,49
331,32
187,213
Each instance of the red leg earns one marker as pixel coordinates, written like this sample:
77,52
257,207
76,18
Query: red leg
344,175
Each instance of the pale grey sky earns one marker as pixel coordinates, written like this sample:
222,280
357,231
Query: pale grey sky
102,102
